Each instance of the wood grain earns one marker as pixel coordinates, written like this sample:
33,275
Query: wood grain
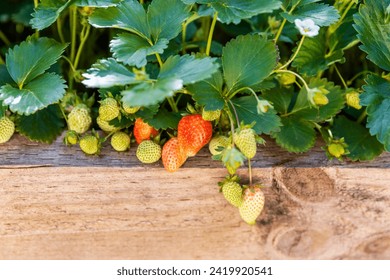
56,203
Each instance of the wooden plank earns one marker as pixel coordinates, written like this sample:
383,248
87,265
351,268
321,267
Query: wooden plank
111,207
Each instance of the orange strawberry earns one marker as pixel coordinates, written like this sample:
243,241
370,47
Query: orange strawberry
172,155
193,133
143,131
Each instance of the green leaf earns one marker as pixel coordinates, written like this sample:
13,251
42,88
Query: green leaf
5,78
304,109
296,135
32,58
321,14
164,120
233,11
373,26
376,97
47,12
148,93
361,145
165,18
133,50
107,73
43,126
41,92
280,98
314,57
208,93
128,15
247,61
246,108
188,68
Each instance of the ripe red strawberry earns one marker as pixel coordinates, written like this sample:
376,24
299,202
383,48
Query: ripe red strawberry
253,203
193,133
143,131
172,155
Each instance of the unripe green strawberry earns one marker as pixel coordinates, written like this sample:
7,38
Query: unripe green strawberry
120,141
108,109
130,110
71,137
353,100
286,79
211,115
216,143
320,99
79,119
7,129
245,140
232,192
105,126
336,149
252,205
89,144
148,151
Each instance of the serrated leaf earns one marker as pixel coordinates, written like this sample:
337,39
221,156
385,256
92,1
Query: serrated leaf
164,120
304,109
133,50
247,61
43,126
128,15
344,37
373,26
314,57
296,135
107,73
41,92
361,145
148,93
165,18
246,108
32,58
233,11
47,12
188,68
376,97
321,14
208,93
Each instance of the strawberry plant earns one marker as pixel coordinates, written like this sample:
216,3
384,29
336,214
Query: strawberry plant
172,74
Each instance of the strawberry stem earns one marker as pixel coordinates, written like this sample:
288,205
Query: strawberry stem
210,38
250,171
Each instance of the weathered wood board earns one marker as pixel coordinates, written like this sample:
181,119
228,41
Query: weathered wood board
57,203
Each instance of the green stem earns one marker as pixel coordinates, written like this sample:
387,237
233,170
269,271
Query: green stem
340,76
171,100
64,115
36,3
235,113
210,37
341,19
4,39
349,82
59,30
296,75
70,63
295,54
83,39
229,113
280,30
183,37
284,22
73,28
1,60
362,117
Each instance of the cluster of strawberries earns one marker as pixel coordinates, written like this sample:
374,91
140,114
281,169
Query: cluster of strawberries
193,134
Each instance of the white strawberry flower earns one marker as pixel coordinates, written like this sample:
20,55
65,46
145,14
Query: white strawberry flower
307,27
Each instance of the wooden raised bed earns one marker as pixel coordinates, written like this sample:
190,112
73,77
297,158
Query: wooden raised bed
57,203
